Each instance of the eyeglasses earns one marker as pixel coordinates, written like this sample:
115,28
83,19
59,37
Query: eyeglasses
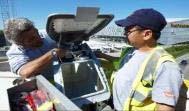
128,32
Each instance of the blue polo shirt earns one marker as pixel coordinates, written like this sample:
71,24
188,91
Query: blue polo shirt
19,56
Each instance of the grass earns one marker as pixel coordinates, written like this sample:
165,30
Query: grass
3,59
178,50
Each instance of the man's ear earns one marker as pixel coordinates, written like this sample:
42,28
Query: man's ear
147,34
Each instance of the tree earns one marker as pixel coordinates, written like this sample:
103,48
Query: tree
2,39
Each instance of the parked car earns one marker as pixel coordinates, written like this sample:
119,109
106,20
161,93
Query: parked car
184,62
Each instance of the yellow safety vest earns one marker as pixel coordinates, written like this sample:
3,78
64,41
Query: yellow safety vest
140,95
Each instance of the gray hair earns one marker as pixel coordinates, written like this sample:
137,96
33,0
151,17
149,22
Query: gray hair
14,27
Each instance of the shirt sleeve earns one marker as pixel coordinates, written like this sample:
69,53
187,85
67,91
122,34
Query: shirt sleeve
50,43
17,59
167,84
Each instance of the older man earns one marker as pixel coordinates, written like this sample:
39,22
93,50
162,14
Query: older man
29,54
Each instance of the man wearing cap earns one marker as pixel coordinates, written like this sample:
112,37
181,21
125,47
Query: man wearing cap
149,78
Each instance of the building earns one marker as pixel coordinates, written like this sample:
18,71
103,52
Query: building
175,32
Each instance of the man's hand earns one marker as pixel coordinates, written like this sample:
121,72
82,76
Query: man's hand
98,53
60,52
164,107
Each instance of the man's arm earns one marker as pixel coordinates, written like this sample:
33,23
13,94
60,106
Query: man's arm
166,86
35,66
164,107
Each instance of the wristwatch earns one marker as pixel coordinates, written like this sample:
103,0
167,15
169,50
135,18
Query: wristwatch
53,53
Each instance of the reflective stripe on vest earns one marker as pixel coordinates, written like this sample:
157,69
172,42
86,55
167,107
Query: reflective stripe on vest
186,82
140,95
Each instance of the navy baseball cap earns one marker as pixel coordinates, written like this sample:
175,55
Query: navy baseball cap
147,18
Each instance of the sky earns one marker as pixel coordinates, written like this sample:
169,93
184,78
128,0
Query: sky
38,10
